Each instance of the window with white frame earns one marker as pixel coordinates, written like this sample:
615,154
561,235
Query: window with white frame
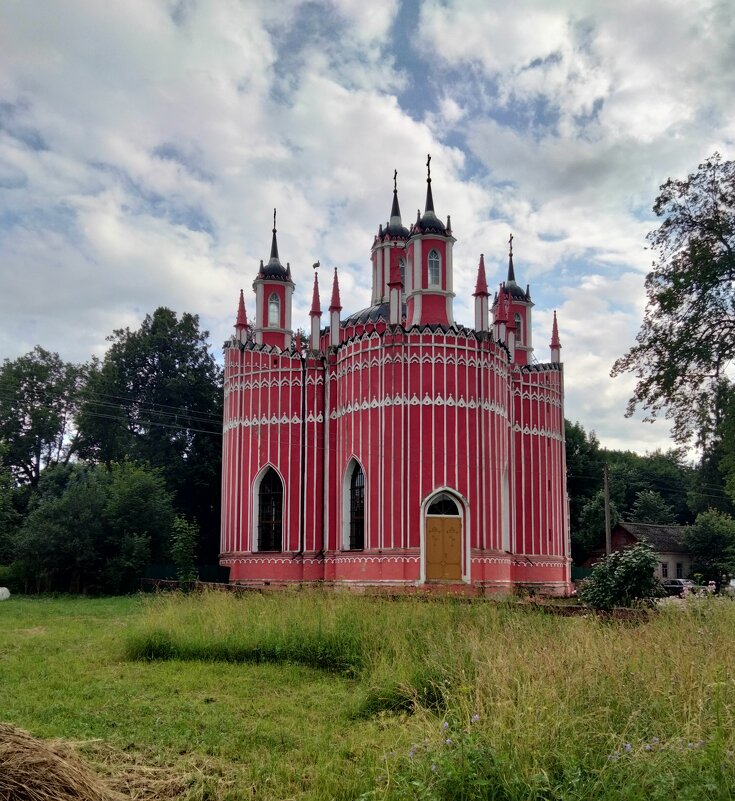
664,569
434,268
274,310
519,328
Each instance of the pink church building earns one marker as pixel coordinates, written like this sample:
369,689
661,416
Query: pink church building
395,447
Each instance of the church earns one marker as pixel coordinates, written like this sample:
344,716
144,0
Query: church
393,446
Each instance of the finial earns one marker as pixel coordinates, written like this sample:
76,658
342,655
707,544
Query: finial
428,168
395,180
316,265
274,221
510,245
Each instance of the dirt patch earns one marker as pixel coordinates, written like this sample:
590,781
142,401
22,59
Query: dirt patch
34,632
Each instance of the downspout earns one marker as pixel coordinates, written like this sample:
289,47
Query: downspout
302,511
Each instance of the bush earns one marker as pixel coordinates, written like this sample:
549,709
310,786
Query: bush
622,579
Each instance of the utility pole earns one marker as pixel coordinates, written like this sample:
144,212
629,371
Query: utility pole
608,534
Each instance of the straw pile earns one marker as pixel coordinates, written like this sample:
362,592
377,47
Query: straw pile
34,770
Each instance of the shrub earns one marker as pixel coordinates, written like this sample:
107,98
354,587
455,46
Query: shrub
623,578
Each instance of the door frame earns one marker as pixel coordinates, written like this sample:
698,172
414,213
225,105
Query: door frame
464,518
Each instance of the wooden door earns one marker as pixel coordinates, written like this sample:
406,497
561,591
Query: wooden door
443,548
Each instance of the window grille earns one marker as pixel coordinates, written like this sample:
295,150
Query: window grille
270,511
357,509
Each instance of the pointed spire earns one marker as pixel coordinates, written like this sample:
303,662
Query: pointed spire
274,244
395,211
511,271
555,344
481,285
242,317
429,196
316,307
336,304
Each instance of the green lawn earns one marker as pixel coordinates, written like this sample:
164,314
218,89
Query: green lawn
217,697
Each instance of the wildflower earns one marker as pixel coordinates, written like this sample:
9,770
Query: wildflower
433,767
655,740
448,741
412,752
628,748
475,718
648,747
445,725
612,757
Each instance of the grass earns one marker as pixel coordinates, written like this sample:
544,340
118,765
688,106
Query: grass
311,695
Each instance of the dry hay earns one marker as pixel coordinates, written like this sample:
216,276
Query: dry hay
35,770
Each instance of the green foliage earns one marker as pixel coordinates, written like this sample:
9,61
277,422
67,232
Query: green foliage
39,394
711,542
687,338
591,531
585,461
622,578
90,528
184,536
156,398
650,507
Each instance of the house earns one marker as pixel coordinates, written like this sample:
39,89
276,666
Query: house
674,560
394,447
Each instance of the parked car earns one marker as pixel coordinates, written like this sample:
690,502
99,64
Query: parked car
675,586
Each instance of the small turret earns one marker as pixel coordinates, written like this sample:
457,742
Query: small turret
555,344
315,313
481,296
335,307
241,322
273,296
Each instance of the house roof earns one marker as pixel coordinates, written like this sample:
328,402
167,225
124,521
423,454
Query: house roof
662,538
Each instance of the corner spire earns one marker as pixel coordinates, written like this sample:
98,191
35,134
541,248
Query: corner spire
316,307
481,285
511,271
335,304
555,343
242,317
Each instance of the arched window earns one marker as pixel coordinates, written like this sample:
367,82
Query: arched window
270,511
519,328
357,509
274,310
434,269
443,505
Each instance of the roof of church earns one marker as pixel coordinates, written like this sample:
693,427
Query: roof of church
274,269
381,311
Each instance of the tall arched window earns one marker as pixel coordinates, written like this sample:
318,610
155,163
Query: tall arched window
357,509
434,269
270,511
274,310
519,328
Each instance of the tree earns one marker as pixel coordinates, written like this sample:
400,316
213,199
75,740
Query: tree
585,461
687,339
590,531
650,507
9,517
184,536
156,398
622,578
39,394
711,542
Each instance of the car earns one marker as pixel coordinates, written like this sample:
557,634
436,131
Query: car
676,586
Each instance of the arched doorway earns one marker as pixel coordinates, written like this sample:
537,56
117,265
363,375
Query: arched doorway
443,541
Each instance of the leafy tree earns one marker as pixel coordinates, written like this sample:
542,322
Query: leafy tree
9,517
591,531
622,578
585,461
38,399
91,529
156,398
711,541
650,507
687,339
184,536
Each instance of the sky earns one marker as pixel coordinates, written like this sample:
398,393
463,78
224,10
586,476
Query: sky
145,143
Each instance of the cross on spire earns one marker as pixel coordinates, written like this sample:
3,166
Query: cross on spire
428,167
395,180
510,245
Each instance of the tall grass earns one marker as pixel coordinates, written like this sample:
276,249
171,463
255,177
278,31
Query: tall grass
514,704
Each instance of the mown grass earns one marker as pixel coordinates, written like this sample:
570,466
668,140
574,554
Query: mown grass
504,703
